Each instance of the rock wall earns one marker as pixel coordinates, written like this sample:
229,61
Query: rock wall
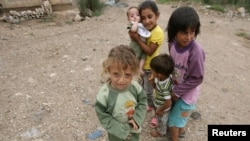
29,3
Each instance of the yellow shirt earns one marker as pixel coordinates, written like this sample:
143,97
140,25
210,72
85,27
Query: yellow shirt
157,36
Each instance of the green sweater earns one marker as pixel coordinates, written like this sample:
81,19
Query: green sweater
114,106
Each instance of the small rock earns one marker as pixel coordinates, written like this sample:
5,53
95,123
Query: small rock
195,115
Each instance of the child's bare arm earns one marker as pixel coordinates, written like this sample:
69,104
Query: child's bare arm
134,27
141,64
148,49
165,106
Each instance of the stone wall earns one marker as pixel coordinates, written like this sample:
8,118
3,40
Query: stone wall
29,3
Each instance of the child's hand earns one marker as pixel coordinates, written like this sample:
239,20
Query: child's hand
174,97
134,125
159,112
141,72
151,80
128,137
134,36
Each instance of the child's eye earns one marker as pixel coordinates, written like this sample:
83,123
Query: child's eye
150,16
116,74
128,75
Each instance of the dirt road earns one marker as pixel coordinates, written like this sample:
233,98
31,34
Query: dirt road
50,74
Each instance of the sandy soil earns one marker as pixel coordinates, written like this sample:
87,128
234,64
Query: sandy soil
50,74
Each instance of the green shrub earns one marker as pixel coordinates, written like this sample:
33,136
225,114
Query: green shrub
82,6
217,8
216,4
244,35
94,5
237,3
165,1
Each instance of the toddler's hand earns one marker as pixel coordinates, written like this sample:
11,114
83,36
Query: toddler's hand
141,72
151,77
134,35
174,97
159,112
128,137
151,80
134,125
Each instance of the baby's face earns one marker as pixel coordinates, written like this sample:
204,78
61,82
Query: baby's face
133,15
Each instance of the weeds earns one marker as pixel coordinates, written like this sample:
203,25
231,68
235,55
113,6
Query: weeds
94,5
244,35
47,19
216,4
217,8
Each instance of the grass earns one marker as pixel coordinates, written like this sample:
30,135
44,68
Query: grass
244,35
48,19
217,8
68,22
213,6
164,1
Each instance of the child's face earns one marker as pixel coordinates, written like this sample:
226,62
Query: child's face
120,79
149,18
158,75
184,38
155,74
133,15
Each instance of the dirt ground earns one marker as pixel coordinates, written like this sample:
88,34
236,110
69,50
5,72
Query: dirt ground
50,74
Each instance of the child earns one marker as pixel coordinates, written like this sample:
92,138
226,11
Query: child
121,103
149,15
183,27
162,66
135,26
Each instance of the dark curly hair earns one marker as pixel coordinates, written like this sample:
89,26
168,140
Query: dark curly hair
162,64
